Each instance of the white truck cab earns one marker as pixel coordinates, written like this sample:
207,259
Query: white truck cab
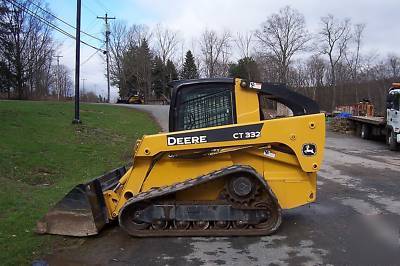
393,117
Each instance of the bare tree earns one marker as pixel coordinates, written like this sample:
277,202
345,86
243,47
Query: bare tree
194,44
130,58
316,72
119,43
268,66
297,75
63,87
283,35
353,57
334,37
244,43
167,42
354,60
166,45
26,46
394,64
215,50
137,33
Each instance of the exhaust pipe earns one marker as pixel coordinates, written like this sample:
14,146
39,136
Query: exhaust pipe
82,212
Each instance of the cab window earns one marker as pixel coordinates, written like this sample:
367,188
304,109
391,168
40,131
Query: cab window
396,101
393,100
271,109
204,106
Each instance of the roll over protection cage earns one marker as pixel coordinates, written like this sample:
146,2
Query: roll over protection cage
298,103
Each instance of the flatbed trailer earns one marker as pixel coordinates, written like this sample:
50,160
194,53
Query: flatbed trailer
369,126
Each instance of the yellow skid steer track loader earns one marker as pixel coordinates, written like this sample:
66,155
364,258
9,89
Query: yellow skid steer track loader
225,168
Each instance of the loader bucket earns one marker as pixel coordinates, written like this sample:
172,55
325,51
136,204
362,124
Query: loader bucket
82,212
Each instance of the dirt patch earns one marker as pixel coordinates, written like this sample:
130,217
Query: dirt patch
40,176
44,114
84,131
9,112
91,111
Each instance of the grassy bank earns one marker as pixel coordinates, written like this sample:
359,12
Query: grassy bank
42,156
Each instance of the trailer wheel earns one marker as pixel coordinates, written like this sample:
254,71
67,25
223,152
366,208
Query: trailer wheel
392,141
365,131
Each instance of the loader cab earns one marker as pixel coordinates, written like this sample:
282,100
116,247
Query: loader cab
202,103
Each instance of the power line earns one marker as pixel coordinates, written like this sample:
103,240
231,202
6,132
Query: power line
51,25
40,18
102,5
90,57
90,25
90,10
63,21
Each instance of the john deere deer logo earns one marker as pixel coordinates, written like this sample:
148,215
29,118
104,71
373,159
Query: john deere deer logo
309,149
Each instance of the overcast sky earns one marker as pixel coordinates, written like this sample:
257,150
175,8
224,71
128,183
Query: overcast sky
190,18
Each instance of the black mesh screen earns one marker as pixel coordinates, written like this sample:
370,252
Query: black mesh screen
206,107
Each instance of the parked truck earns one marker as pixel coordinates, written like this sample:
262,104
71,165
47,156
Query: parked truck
387,126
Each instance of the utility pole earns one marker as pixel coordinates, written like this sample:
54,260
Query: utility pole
83,88
77,60
58,76
106,18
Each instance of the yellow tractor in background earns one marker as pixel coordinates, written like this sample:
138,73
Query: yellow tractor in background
135,97
224,168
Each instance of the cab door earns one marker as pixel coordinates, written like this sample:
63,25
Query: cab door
393,110
203,105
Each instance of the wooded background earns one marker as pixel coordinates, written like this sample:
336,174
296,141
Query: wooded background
328,65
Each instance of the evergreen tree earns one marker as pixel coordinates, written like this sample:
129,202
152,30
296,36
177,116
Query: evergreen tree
128,81
137,67
170,75
170,71
246,68
158,76
189,70
144,66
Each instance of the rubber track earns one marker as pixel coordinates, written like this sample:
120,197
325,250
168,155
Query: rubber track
166,190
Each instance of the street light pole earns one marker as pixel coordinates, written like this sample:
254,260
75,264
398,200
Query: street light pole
77,61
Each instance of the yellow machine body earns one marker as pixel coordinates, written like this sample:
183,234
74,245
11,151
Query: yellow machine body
135,99
291,175
283,153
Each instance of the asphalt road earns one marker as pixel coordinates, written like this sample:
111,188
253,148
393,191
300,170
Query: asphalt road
355,221
159,112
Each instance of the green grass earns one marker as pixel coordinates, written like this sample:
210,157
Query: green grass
42,156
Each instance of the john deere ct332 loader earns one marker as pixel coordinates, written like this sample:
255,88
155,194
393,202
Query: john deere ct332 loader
224,168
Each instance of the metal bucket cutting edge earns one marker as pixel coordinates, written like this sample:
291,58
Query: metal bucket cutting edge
82,212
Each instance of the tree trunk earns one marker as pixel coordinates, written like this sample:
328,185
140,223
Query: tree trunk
333,84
